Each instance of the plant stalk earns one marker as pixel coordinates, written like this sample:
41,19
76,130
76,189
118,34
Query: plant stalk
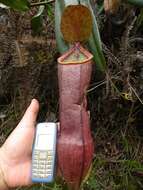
41,3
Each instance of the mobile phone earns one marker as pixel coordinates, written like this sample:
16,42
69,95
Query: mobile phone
44,153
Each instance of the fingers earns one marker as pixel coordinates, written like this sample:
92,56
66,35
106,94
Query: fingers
30,116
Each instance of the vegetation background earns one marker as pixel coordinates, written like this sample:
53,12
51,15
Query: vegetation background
28,68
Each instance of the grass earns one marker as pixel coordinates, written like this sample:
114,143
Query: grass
118,165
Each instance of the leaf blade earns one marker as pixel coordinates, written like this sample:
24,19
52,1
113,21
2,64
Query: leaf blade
94,42
20,5
61,44
136,2
37,20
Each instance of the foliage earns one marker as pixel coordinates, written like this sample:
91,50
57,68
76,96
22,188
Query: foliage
61,44
37,20
140,19
20,5
136,2
94,42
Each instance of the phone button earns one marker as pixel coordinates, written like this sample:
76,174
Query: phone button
36,152
35,176
48,163
35,171
42,166
49,172
42,162
50,152
41,171
43,155
35,161
49,158
35,156
41,175
47,175
35,166
49,167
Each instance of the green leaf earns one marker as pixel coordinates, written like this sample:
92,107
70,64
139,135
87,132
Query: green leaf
94,42
97,53
95,32
49,10
62,46
37,20
136,2
20,5
140,19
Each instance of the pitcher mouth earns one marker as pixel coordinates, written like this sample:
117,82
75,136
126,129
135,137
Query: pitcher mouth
76,55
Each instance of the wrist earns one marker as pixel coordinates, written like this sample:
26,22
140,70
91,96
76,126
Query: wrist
3,184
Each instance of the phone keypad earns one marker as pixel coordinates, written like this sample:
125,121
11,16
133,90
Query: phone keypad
42,164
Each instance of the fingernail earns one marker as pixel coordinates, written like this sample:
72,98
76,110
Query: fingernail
33,100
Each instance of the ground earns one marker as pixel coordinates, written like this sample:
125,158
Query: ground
28,69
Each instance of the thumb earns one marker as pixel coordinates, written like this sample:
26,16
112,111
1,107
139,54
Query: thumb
23,134
30,116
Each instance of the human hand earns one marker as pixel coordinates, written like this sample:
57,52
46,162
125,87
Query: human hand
15,154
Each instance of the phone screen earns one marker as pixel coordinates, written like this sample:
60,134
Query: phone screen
44,142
